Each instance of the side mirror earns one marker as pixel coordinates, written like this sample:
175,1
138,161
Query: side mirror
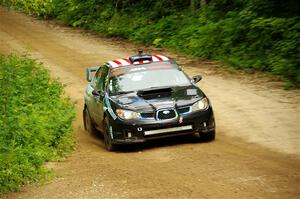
196,79
96,92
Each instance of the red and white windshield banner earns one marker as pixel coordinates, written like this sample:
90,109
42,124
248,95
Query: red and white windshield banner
126,62
119,62
156,58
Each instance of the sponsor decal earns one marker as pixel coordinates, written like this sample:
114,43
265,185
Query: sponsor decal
180,120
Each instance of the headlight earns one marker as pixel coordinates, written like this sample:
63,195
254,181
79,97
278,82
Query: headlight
127,115
200,105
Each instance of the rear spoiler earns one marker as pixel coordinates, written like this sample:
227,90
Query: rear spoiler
89,71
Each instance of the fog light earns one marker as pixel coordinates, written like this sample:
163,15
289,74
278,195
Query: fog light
129,134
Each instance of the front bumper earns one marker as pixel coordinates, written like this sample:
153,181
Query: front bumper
137,131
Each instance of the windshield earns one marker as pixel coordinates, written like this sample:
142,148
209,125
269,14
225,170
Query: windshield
141,80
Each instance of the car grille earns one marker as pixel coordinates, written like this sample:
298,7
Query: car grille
166,114
183,110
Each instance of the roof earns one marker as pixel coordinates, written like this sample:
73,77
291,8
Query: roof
137,60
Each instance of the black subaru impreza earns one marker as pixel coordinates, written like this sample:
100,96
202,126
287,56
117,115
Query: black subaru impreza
144,97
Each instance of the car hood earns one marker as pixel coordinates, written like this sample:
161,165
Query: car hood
158,98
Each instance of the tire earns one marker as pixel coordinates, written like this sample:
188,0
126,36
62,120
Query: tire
107,137
88,122
209,136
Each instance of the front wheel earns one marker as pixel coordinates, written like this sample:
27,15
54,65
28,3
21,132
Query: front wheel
88,123
108,137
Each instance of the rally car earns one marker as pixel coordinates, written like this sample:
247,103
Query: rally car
144,97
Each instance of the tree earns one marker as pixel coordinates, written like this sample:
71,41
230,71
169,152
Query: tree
195,4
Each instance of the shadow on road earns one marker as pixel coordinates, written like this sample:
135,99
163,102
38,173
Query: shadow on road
152,144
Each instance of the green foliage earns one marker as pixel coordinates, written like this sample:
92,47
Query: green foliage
41,8
256,34
35,121
5,3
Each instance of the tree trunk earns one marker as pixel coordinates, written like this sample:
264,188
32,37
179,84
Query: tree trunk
118,5
203,3
194,4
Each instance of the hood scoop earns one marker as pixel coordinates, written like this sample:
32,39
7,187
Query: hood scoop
155,93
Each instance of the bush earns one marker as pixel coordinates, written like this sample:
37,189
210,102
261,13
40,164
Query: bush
35,121
41,8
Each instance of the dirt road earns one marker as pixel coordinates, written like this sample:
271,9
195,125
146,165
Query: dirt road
256,153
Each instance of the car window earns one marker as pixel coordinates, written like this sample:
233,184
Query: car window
96,77
102,77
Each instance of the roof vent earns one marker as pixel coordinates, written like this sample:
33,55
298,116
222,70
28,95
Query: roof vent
140,57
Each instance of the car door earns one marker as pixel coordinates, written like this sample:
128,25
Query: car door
92,98
100,86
